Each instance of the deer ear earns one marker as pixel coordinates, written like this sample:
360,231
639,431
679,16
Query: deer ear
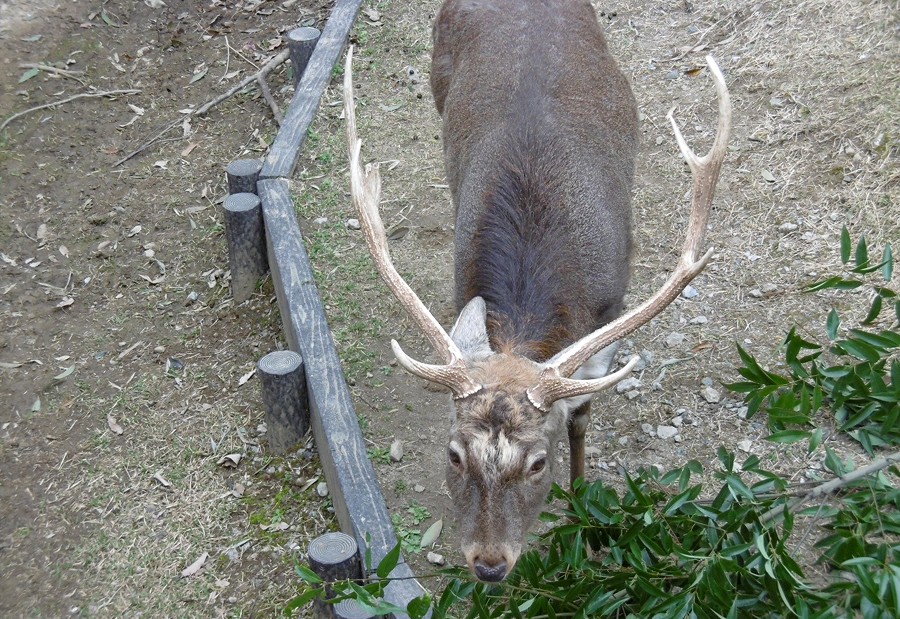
470,331
598,365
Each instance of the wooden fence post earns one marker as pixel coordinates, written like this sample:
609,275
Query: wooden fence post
285,399
246,238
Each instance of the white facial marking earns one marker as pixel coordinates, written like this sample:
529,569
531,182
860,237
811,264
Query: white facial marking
499,454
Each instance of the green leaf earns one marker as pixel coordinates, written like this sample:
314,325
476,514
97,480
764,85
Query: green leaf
418,607
389,562
301,600
737,486
845,245
831,282
859,349
832,323
862,252
307,574
106,18
815,440
874,310
788,436
887,258
28,75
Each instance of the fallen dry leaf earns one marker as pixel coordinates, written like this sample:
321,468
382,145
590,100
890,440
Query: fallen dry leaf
229,461
243,379
154,280
194,567
113,425
66,302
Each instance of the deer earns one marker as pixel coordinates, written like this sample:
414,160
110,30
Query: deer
540,136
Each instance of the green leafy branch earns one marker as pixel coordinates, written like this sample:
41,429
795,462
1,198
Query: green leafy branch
861,386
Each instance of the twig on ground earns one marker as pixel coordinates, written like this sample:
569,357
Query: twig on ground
227,59
261,74
51,69
267,95
83,95
150,142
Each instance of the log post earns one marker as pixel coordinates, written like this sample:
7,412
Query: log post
349,609
242,175
302,41
285,399
334,556
246,238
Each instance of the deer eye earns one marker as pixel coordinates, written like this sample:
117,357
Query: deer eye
455,458
538,465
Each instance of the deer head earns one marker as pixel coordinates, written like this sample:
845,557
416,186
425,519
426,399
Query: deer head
511,409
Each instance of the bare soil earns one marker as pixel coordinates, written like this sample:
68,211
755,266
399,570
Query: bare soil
88,526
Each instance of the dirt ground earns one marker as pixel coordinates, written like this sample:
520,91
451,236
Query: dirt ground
122,355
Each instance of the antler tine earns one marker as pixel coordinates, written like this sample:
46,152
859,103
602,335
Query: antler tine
705,170
705,173
365,188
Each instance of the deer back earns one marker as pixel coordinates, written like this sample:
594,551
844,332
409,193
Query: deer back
540,131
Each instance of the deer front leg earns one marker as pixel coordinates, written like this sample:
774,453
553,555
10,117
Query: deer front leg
578,422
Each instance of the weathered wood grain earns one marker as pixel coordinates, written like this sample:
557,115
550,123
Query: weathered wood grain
285,150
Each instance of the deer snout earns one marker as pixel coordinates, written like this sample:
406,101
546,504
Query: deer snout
489,572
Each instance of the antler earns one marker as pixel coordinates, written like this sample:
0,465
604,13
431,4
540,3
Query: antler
365,188
554,380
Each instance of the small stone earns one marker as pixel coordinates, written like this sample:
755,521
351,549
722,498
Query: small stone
396,450
710,395
261,429
699,320
756,293
674,339
623,440
665,432
149,253
628,384
191,298
787,227
320,221
322,489
633,394
689,292
435,558
678,438
159,349
672,75
706,381
353,224
768,289
677,421
648,429
742,412
745,444
419,488
603,465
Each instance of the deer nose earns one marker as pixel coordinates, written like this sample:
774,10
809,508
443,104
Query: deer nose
490,573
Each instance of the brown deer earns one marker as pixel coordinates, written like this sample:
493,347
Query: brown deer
540,132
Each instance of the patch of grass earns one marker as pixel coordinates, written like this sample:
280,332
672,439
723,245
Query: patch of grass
380,455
